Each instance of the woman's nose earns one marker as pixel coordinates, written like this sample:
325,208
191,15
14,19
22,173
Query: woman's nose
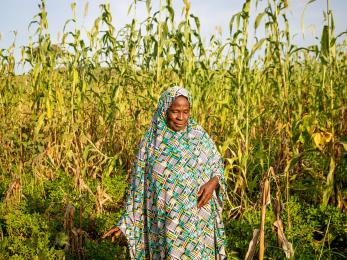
180,116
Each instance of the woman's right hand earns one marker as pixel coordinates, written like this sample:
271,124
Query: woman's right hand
113,232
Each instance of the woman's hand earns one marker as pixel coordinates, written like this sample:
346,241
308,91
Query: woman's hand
113,232
206,191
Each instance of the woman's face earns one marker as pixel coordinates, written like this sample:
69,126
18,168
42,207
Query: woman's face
178,114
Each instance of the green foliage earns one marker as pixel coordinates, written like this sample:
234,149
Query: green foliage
314,230
27,236
69,128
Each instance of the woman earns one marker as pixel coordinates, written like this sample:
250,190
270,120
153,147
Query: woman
174,205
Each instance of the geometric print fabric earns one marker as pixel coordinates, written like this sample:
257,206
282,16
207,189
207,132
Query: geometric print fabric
161,218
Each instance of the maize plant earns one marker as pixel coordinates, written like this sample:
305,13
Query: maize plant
70,125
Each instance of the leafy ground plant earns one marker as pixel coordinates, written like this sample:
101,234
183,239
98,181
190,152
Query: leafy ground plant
70,124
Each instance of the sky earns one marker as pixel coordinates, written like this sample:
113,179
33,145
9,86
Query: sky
17,14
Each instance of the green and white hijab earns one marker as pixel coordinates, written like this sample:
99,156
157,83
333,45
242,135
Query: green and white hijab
161,220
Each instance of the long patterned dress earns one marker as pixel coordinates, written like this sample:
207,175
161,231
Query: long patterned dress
162,220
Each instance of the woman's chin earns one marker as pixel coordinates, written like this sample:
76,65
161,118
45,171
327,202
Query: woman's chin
177,127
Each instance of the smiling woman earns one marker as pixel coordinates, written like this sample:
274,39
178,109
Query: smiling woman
178,114
174,202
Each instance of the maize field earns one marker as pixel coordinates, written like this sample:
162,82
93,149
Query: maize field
70,125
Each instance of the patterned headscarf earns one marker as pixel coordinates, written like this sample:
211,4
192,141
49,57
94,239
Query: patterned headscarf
164,103
166,100
169,168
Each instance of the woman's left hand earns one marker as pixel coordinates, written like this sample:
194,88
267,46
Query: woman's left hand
206,191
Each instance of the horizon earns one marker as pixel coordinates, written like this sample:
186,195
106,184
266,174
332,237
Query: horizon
305,20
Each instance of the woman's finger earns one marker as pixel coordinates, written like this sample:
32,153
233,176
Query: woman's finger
202,200
110,232
201,190
200,195
119,232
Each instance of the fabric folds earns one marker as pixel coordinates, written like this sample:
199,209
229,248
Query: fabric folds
161,219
